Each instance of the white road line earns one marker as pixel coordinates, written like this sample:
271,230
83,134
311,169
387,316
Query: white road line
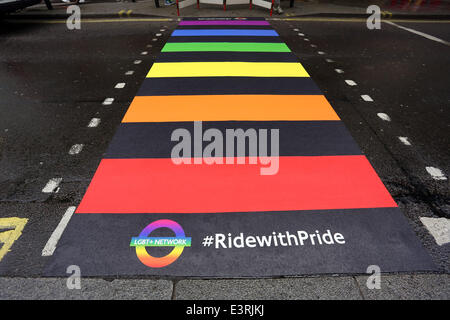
329,60
144,53
57,233
366,98
339,70
154,39
149,46
129,73
108,101
306,39
320,52
439,229
313,46
429,37
120,85
159,34
76,149
350,82
383,116
94,122
137,61
301,34
296,29
436,173
162,30
405,141
52,185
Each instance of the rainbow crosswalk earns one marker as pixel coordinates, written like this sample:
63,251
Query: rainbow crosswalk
237,74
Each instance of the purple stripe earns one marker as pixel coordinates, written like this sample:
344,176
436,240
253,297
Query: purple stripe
225,23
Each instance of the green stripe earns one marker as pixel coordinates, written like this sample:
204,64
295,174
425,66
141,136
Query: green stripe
225,46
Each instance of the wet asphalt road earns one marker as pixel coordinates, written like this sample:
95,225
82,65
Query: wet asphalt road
53,82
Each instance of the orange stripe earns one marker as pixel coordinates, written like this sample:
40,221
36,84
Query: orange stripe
230,107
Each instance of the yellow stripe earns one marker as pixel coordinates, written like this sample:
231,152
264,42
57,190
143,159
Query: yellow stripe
226,69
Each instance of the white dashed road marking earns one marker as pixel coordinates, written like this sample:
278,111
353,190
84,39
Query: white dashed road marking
108,101
129,73
120,85
439,229
52,185
76,149
339,70
57,233
301,34
366,98
94,122
320,52
329,60
350,82
137,61
405,141
436,173
383,116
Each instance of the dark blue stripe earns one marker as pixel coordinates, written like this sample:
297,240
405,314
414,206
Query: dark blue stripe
224,32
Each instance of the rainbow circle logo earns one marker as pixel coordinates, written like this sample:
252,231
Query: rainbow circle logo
143,240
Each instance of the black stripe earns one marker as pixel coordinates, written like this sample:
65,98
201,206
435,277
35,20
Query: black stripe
211,56
296,138
224,39
228,85
100,244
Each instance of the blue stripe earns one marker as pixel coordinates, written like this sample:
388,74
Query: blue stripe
223,32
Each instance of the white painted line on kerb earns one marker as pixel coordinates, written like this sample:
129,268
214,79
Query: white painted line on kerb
320,52
383,116
329,60
129,73
405,141
57,233
366,98
108,101
76,149
429,37
52,185
120,85
339,70
439,229
350,82
144,53
137,61
436,173
94,122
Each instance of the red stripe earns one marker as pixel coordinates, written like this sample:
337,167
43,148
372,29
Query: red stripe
302,183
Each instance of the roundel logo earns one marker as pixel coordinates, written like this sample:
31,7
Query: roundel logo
144,240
